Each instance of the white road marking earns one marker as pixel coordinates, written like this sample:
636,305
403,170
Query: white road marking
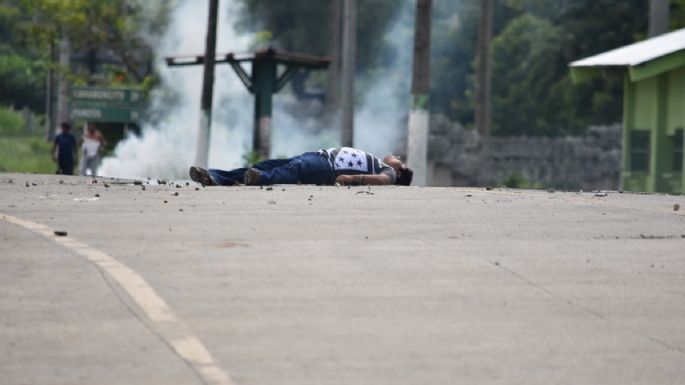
163,319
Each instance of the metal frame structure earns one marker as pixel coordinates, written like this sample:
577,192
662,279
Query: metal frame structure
263,81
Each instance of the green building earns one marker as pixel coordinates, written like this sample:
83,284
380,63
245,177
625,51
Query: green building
653,109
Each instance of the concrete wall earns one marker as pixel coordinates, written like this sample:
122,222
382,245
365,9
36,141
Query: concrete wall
459,157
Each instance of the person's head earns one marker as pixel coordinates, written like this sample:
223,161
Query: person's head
90,127
403,173
65,127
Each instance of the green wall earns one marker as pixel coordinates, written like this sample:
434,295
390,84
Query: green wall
654,112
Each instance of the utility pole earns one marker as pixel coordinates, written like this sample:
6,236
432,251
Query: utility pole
349,64
63,82
51,96
202,151
484,69
332,89
658,17
419,116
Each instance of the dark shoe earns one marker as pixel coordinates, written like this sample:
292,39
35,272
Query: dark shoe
253,177
201,176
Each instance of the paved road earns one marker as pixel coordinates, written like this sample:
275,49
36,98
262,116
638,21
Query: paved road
310,285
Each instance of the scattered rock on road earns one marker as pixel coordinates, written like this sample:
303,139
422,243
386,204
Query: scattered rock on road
60,233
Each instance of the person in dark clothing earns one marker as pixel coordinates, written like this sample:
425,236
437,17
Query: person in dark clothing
344,165
64,150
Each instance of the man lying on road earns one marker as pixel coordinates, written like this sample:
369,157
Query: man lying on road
344,165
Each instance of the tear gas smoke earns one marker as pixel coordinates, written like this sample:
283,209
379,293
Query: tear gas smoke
166,147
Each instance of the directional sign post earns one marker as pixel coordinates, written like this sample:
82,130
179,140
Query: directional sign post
120,105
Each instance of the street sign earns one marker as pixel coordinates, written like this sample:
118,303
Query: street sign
105,114
97,104
116,96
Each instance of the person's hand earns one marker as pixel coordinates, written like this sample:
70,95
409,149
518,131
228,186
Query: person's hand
345,179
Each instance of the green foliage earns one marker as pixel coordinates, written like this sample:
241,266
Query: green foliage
533,42
250,158
11,123
517,181
23,81
26,153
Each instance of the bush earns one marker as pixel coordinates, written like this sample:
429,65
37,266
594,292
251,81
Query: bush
519,182
11,122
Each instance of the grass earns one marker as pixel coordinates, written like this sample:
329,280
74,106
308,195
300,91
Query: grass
26,153
20,151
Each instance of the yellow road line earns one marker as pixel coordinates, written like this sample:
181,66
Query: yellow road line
165,322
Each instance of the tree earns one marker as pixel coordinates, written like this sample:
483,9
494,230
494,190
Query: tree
483,70
121,28
302,26
22,69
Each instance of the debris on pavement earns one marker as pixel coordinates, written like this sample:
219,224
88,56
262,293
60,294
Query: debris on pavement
60,233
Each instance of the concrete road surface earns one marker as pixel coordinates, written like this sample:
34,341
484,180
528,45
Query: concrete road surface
335,285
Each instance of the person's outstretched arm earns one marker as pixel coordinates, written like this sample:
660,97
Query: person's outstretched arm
375,179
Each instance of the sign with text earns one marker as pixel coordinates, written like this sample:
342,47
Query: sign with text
97,104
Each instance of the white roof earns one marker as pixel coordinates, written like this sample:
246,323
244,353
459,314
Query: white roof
637,53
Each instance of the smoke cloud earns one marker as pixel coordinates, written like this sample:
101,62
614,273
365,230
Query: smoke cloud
167,145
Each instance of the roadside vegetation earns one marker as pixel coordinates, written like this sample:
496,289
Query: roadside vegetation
21,151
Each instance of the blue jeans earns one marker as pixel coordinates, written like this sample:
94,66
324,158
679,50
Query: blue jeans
308,168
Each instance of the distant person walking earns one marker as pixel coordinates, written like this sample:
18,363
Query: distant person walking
91,147
64,150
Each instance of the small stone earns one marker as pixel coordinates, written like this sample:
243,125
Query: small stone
197,189
620,191
137,183
106,185
178,186
496,263
269,188
142,188
272,202
165,202
488,188
676,207
33,184
27,184
94,181
175,194
180,209
60,233
550,190
97,195
282,189
187,183
60,181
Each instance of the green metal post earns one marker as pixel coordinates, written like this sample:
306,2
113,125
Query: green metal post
628,123
264,78
663,151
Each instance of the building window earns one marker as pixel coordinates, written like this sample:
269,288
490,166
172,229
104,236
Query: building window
639,151
678,150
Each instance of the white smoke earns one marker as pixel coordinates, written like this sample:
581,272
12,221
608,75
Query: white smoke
380,116
166,148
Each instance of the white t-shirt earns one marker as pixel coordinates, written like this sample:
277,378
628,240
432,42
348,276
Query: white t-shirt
90,147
